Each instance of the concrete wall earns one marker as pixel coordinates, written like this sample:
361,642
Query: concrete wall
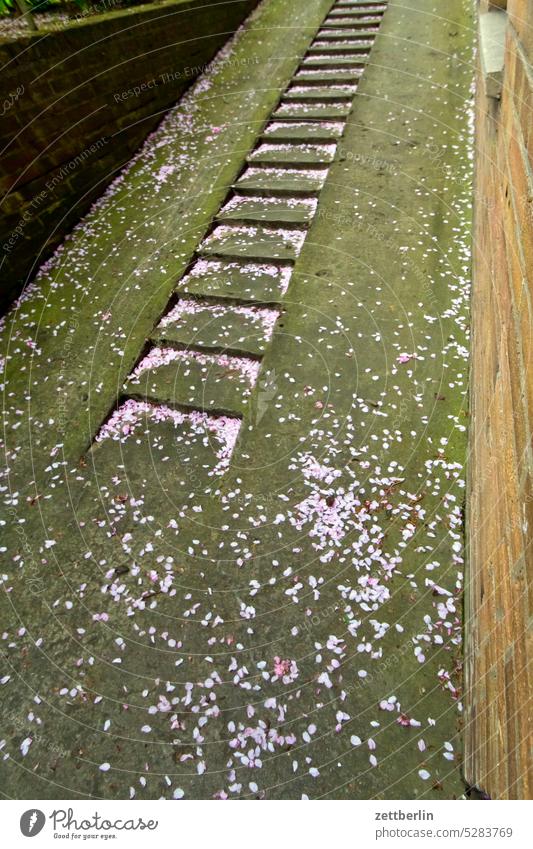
76,103
500,500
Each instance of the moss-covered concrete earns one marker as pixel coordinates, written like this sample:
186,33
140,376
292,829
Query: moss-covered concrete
93,309
291,627
78,101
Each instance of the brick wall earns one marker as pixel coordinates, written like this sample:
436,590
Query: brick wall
68,122
500,500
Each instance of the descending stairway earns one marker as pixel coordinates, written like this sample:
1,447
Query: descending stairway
205,354
288,627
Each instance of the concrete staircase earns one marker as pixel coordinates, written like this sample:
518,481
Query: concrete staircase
205,354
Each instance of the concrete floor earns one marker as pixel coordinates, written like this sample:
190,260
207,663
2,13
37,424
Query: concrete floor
281,618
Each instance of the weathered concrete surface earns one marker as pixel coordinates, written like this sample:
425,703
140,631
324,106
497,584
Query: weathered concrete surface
92,310
274,631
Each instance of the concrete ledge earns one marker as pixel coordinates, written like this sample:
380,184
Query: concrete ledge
492,29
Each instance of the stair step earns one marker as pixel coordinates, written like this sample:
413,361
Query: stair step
322,94
247,241
348,36
261,283
209,382
308,76
194,323
345,33
141,427
303,131
355,13
337,62
356,20
286,180
298,153
344,25
357,8
275,210
359,4
311,111
349,48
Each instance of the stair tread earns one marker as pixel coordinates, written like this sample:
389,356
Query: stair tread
213,382
348,32
351,48
335,75
286,210
311,94
278,179
304,131
253,241
231,327
263,283
289,153
338,62
140,426
310,111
